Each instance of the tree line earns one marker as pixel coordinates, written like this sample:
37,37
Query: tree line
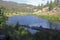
51,5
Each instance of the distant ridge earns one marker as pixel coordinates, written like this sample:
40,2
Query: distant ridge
12,6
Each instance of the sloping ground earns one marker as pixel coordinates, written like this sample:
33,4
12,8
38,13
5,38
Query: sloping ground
45,11
56,10
15,7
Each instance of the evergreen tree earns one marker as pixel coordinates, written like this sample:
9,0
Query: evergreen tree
17,26
2,16
40,7
47,3
2,10
52,5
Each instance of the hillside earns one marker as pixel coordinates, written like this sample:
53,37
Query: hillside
13,7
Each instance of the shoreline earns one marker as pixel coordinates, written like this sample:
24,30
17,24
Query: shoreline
48,17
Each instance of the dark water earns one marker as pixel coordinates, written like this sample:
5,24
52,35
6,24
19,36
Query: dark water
29,20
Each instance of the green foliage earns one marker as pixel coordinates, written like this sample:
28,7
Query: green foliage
47,35
2,16
23,34
52,5
40,7
47,3
20,34
49,17
1,11
17,26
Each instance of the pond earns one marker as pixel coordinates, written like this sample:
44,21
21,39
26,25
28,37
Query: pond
29,20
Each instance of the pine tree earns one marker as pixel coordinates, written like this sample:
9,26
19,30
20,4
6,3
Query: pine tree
40,7
17,26
47,3
2,10
52,5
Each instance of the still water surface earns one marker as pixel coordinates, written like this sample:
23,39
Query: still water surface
29,20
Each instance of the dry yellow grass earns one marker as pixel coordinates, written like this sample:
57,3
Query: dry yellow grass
15,14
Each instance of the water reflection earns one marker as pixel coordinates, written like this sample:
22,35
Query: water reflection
29,20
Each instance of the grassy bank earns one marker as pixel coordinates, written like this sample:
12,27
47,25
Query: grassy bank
17,14
48,17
